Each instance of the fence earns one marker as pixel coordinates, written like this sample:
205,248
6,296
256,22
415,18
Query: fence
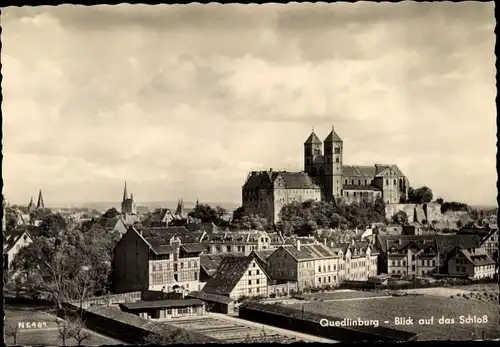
413,284
109,299
310,323
126,327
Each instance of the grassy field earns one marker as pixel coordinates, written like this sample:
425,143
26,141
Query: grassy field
47,334
341,295
417,307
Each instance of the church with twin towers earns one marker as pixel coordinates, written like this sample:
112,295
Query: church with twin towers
325,177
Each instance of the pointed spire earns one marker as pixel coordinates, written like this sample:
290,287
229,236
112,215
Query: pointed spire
313,138
40,203
333,136
180,207
125,195
197,202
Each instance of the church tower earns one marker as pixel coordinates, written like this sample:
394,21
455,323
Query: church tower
40,203
312,148
128,203
333,165
31,206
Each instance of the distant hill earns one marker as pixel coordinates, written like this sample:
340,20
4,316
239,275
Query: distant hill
188,205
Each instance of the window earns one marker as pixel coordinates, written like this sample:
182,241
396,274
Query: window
258,290
319,268
182,265
395,183
329,279
337,160
413,257
319,279
413,267
250,273
387,182
253,265
250,291
196,275
258,281
258,271
249,282
228,248
169,311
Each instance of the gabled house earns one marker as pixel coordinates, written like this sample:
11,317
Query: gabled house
115,224
304,264
161,217
261,256
413,258
209,263
471,262
155,259
490,244
13,242
238,277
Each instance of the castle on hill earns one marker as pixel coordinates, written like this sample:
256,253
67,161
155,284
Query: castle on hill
324,178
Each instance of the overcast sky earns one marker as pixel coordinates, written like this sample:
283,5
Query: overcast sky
185,100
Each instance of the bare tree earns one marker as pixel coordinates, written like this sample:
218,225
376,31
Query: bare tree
64,329
78,331
11,330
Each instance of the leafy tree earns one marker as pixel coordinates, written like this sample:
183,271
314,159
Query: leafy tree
239,213
439,200
70,266
52,224
460,224
205,213
306,217
220,212
11,219
111,213
88,225
251,221
40,213
400,218
420,195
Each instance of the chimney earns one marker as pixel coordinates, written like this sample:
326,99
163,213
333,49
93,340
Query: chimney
298,245
324,241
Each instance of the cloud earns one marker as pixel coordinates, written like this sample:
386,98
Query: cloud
185,100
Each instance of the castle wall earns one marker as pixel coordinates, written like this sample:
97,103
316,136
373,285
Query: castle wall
430,212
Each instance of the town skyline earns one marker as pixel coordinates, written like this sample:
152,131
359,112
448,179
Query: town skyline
177,105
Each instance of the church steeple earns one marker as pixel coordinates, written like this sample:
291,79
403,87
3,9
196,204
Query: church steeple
40,203
180,207
125,195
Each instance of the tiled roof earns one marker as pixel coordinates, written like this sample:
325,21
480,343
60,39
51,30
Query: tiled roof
297,180
193,247
228,275
478,257
313,139
445,243
358,171
167,233
310,252
211,297
333,137
356,187
208,227
263,254
210,262
289,180
381,168
233,237
161,304
11,239
257,179
473,231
